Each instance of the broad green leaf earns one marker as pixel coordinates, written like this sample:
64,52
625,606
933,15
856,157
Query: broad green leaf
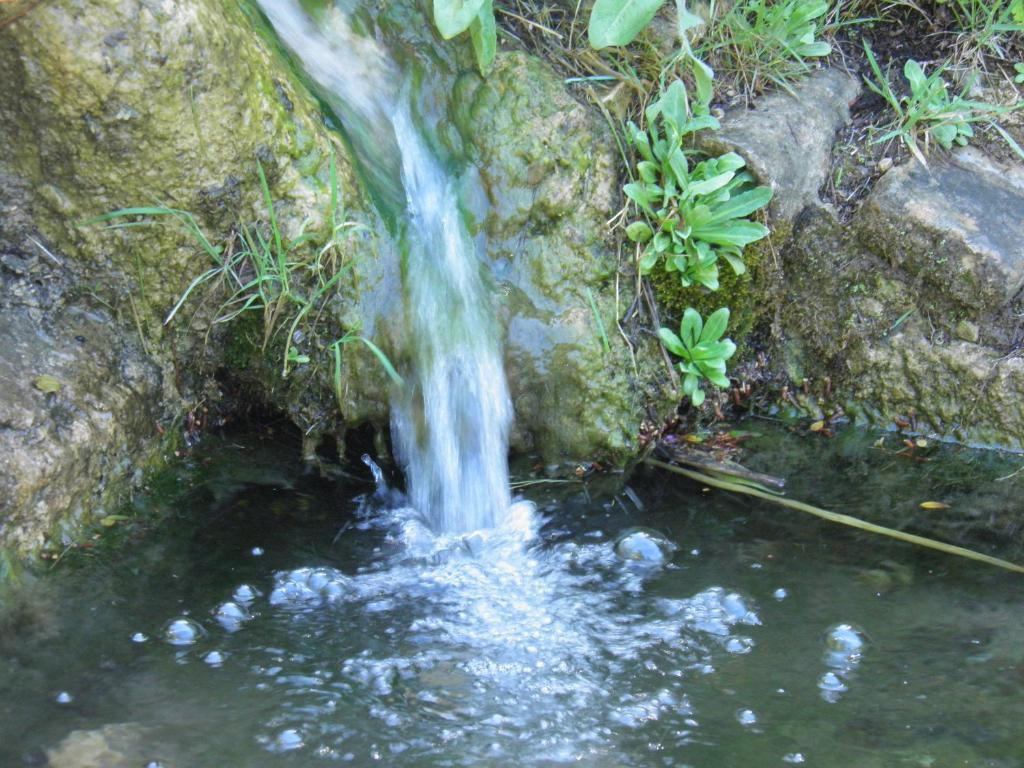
648,171
617,22
715,325
738,233
707,275
484,35
708,186
641,195
455,16
944,134
735,261
697,398
672,342
690,328
648,260
672,105
915,76
816,49
730,161
690,384
679,167
639,232
686,19
741,205
641,141
719,379
704,77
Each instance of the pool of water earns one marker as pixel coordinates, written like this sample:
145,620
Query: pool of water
271,619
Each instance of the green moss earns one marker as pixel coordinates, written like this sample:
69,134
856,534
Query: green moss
748,296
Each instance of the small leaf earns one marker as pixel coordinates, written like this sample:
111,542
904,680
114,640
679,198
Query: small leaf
715,325
484,35
639,232
47,383
617,22
111,520
933,505
672,342
455,16
690,327
697,398
817,426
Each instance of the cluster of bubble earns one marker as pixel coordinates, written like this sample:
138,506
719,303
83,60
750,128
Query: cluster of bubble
557,644
494,622
844,649
309,588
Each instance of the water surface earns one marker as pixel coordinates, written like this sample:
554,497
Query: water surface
365,638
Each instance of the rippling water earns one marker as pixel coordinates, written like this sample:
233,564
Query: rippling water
302,624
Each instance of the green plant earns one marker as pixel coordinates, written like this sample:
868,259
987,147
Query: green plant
1019,69
761,41
696,212
702,349
453,17
985,27
929,113
283,279
385,363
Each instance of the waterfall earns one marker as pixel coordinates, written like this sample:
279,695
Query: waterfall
450,423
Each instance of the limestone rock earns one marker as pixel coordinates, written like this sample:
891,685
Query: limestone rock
957,225
787,138
547,165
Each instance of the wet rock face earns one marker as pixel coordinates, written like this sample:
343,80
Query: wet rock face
548,168
107,104
79,407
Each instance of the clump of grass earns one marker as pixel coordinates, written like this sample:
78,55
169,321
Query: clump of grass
287,281
930,114
762,42
984,29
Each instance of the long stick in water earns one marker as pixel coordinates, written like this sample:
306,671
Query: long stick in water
835,517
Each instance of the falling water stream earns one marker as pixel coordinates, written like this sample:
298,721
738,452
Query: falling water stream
451,423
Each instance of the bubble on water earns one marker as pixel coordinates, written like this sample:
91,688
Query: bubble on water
288,739
844,646
794,758
644,546
64,698
246,594
740,609
307,588
140,637
746,717
182,631
214,658
739,645
780,593
257,551
231,616
832,687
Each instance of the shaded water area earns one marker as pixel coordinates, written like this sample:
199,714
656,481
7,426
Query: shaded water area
331,626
